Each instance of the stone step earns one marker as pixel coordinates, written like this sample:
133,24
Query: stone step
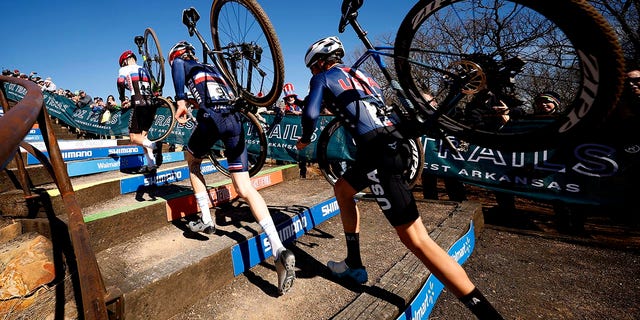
174,264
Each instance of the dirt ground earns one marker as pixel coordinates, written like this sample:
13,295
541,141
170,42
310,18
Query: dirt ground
521,262
531,270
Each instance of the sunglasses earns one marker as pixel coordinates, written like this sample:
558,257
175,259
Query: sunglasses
634,80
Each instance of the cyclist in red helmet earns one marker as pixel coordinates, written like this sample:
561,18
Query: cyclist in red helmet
136,79
217,119
356,98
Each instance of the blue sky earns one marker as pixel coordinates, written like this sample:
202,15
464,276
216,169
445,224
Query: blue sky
77,43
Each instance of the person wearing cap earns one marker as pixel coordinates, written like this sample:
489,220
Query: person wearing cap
292,106
82,99
546,103
291,101
48,85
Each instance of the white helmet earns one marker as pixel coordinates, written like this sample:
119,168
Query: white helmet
322,48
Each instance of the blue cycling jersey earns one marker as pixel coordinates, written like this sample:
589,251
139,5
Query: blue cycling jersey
350,94
216,118
203,81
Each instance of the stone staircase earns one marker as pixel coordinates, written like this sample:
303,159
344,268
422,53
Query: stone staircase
155,268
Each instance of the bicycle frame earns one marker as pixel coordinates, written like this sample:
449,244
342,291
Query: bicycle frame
406,109
189,18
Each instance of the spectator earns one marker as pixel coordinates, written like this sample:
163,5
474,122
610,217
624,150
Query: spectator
621,131
455,189
82,99
6,72
111,103
292,106
16,73
218,121
48,85
545,104
486,111
98,105
377,166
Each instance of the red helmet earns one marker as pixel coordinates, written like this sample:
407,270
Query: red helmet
179,49
126,55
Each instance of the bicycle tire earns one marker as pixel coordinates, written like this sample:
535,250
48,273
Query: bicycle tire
589,72
164,120
227,18
154,60
257,146
333,166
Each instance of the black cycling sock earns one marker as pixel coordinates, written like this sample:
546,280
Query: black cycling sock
480,306
353,250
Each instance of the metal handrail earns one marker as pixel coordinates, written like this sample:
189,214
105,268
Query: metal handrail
14,126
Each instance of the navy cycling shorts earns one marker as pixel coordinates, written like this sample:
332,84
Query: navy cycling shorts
226,127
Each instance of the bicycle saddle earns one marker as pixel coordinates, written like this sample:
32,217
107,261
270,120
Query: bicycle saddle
349,7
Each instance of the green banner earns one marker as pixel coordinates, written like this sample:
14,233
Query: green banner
584,172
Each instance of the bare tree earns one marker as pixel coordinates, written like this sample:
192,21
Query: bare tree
624,16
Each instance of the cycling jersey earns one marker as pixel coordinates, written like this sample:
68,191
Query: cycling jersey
216,117
356,98
136,79
352,95
205,83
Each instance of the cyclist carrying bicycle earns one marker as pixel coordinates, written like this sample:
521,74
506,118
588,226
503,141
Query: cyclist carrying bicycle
218,119
356,98
136,79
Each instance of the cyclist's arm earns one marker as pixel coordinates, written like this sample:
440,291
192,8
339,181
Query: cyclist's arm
178,76
122,85
311,111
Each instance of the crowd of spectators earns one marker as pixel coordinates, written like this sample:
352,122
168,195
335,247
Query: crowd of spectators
79,97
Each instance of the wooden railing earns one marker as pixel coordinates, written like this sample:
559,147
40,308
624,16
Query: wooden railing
14,126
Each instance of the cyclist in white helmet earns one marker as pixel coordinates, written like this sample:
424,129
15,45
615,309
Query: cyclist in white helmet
356,98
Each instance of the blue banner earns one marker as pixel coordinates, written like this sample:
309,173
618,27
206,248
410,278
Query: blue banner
249,253
92,153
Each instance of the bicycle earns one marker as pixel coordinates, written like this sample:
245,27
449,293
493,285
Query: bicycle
153,61
250,61
511,49
152,58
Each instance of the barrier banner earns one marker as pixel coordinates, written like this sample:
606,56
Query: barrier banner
584,172
87,119
587,172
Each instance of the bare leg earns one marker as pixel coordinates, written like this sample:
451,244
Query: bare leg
415,237
349,212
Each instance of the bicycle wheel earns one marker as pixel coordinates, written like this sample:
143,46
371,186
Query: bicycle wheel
248,49
163,121
336,152
256,142
521,48
154,60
